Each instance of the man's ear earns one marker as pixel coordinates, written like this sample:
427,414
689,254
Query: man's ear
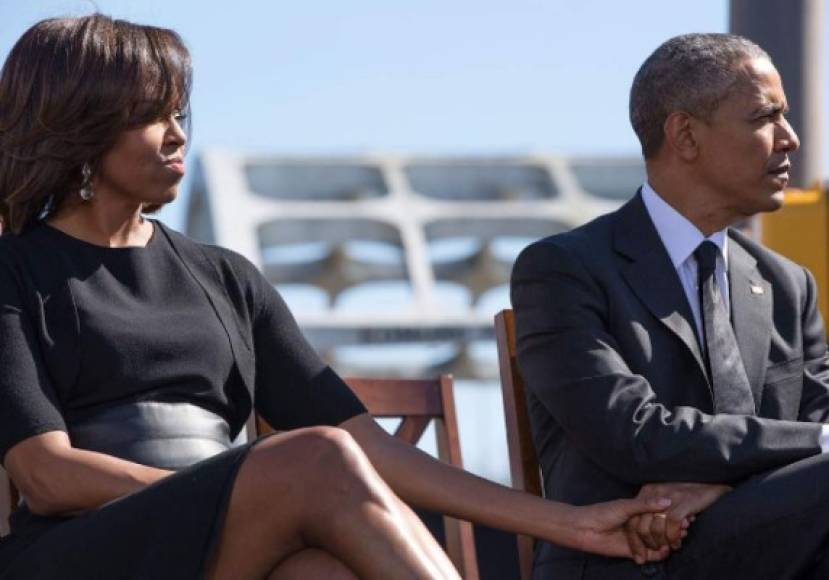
679,135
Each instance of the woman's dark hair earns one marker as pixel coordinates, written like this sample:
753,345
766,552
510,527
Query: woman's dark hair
68,89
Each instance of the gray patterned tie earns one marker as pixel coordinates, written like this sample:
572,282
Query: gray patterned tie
732,393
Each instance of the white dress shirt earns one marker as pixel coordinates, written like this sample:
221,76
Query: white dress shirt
680,238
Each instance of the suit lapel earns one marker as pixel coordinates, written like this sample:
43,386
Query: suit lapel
751,313
652,276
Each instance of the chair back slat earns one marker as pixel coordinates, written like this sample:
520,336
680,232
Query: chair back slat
459,534
411,429
524,470
448,437
399,397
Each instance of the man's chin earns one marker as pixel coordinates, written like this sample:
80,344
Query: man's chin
774,201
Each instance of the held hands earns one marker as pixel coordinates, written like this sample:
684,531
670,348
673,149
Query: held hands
602,527
655,532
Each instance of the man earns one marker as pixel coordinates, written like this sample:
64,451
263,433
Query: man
659,346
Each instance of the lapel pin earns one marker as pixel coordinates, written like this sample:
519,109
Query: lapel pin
756,289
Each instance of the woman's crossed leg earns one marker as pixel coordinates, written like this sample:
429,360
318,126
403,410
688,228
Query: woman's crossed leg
309,503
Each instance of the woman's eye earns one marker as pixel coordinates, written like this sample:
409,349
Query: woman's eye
179,116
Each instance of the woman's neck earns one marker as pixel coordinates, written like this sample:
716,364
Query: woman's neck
111,227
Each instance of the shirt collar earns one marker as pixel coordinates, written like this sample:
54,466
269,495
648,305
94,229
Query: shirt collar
679,236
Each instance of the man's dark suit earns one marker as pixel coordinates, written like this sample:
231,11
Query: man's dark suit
619,395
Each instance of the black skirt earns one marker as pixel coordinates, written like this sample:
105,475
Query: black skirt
168,530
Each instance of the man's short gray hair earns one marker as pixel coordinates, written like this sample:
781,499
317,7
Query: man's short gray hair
691,73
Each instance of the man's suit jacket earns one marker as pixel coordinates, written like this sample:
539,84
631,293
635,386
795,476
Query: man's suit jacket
618,394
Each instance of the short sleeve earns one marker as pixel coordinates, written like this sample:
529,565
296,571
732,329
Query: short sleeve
294,387
28,404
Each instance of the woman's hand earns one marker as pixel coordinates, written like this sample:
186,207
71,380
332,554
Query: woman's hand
57,479
601,528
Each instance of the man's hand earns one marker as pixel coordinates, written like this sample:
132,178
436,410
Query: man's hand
655,531
602,527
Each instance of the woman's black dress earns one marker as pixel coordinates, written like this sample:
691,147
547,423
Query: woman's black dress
85,328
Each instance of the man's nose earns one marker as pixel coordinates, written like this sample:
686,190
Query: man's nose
787,139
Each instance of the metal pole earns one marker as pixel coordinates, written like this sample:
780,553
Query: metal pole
790,31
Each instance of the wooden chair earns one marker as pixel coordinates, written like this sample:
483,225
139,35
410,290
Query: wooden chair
523,461
416,402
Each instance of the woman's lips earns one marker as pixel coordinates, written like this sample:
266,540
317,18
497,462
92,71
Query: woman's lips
176,165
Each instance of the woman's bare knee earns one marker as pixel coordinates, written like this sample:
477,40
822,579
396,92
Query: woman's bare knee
313,488
287,487
312,563
321,461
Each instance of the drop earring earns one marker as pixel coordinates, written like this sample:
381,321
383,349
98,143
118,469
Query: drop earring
86,191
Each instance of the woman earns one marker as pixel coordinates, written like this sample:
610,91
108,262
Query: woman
132,356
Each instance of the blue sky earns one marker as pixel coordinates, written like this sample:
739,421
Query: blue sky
525,76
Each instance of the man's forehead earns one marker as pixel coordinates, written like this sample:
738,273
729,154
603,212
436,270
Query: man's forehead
759,80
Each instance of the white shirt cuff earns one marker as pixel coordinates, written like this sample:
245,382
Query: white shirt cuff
824,439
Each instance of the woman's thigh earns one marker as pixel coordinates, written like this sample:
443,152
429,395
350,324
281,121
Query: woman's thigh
289,485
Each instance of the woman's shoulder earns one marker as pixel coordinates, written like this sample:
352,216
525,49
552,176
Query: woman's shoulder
223,269
36,254
31,242
219,257
31,264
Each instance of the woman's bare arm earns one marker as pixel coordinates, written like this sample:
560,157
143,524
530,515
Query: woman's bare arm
425,482
55,478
